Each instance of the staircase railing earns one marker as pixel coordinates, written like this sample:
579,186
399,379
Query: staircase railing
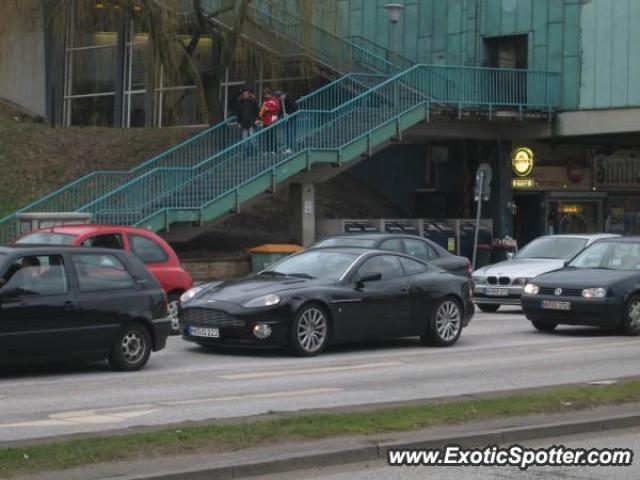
400,61
224,173
84,190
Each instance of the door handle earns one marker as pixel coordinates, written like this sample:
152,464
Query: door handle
70,305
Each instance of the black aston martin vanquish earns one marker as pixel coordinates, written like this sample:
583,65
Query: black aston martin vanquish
323,296
599,287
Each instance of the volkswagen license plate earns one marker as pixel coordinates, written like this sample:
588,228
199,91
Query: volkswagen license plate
497,292
549,305
204,332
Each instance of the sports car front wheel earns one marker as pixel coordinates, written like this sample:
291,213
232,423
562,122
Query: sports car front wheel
445,324
631,320
309,332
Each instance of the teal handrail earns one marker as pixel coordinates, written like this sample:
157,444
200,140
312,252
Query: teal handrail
227,170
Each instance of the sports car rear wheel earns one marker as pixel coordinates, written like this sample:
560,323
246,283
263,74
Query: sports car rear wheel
445,324
631,321
309,331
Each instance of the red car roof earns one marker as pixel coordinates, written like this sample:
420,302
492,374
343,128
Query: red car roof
85,229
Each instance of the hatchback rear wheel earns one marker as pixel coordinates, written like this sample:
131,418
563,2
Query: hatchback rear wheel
131,348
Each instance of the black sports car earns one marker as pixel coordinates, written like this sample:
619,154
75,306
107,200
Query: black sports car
418,247
599,287
323,296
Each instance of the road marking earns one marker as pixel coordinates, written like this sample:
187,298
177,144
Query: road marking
262,396
121,414
572,348
298,371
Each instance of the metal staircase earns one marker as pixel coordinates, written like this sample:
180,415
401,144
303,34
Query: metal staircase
212,174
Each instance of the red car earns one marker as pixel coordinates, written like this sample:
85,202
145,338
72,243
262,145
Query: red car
154,252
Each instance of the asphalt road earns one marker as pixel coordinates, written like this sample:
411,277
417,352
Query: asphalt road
629,438
184,382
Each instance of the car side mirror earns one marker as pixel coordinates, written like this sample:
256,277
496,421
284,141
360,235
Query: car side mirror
372,277
510,255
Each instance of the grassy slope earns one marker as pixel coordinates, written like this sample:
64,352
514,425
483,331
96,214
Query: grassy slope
36,159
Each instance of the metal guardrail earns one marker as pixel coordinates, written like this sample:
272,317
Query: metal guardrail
310,130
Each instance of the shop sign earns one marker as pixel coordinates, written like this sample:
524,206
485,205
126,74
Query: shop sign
522,161
522,183
573,177
619,170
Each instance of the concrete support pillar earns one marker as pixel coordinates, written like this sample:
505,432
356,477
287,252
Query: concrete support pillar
302,197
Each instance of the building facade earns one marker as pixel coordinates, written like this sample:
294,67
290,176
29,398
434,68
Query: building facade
586,170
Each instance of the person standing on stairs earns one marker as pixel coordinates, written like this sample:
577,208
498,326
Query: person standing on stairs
289,106
269,114
247,110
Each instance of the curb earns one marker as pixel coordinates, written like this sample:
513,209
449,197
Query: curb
378,450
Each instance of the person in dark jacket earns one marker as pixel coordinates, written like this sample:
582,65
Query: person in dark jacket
289,106
247,112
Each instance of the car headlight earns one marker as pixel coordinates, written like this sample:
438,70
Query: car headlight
266,301
477,279
521,281
189,294
594,292
531,289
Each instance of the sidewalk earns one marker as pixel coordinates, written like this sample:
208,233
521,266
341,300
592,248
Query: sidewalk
294,456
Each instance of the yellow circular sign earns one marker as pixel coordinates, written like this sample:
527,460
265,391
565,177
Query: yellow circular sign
522,161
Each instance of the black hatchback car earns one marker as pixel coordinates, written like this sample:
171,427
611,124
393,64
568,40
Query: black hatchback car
421,248
68,303
599,287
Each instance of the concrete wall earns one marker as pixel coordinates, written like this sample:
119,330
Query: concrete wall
22,60
610,39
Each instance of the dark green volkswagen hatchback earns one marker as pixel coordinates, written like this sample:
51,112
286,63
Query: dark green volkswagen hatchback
75,303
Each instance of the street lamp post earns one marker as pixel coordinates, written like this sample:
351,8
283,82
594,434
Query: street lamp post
394,10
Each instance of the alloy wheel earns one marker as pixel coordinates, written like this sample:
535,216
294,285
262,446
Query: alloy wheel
448,320
172,310
133,347
312,329
634,315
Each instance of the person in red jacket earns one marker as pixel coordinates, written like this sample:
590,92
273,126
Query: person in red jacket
270,114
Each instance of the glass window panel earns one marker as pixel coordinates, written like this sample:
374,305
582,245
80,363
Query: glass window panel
181,107
92,111
96,23
93,70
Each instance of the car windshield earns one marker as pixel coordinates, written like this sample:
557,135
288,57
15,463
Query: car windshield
45,238
610,256
552,247
347,242
310,264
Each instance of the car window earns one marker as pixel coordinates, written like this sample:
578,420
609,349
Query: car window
392,245
411,267
419,249
610,255
388,265
327,265
36,275
552,247
45,238
101,271
147,250
346,242
109,240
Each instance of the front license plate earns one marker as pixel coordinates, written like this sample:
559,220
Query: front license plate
497,292
204,332
556,305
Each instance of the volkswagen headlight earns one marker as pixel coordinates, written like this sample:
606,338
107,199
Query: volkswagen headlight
531,289
594,292
265,301
190,294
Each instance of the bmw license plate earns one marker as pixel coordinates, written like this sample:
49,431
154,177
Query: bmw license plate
204,332
549,305
497,292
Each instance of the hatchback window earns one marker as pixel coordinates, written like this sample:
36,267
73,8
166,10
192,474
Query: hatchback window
36,275
387,265
147,250
392,245
101,272
45,238
110,240
419,249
